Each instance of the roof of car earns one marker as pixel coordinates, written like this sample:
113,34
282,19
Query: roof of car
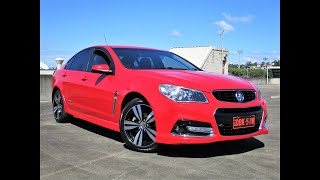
130,47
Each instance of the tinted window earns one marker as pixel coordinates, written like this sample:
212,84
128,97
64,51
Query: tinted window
80,60
152,59
170,62
98,58
68,65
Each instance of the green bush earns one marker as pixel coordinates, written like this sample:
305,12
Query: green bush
238,72
270,75
252,73
257,73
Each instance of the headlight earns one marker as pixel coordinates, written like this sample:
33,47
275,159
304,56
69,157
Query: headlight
182,94
259,93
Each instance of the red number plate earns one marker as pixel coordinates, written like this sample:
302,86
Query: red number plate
243,122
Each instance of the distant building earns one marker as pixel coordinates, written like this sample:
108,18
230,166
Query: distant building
208,58
43,66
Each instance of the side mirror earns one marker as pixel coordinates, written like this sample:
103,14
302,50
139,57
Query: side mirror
101,68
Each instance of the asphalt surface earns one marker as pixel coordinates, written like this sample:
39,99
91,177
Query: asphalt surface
81,150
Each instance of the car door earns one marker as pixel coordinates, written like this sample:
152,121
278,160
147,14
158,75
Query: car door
75,81
66,78
100,88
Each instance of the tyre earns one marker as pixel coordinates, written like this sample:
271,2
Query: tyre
138,126
58,108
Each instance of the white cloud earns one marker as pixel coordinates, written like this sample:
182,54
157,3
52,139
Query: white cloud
234,52
175,33
238,19
278,57
225,26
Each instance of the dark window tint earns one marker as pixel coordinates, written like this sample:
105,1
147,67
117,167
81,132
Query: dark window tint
98,58
80,60
152,59
68,65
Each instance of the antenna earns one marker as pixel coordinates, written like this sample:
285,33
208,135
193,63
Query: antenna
105,38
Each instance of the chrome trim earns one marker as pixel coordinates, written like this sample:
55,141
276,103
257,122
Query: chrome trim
207,136
265,126
255,94
114,102
106,71
262,119
209,129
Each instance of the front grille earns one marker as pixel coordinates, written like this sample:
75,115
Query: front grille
229,95
224,119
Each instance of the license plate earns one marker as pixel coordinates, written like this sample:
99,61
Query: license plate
243,122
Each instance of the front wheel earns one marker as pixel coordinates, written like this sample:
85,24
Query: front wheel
138,127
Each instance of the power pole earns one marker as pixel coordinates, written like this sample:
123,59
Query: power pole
265,65
221,36
239,52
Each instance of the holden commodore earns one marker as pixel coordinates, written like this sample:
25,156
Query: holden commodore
154,96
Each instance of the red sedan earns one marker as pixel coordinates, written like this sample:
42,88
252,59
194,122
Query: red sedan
153,96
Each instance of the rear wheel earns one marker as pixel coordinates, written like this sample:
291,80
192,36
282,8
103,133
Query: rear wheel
58,108
138,127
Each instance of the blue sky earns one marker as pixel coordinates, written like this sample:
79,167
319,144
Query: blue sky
253,26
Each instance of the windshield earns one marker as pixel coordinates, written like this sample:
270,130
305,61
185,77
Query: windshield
152,59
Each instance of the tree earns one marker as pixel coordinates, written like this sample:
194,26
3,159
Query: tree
276,62
232,66
248,64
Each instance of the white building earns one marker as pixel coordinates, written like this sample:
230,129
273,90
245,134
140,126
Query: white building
207,58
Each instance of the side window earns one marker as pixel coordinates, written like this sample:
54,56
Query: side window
80,61
68,65
98,58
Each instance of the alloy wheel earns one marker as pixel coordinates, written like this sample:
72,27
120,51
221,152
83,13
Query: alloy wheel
139,125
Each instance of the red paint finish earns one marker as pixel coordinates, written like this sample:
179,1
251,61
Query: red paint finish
90,96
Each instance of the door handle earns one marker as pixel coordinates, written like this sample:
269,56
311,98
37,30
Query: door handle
83,78
64,74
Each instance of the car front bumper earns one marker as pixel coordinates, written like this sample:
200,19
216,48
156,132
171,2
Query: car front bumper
168,112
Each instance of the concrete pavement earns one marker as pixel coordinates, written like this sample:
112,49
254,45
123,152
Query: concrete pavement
81,150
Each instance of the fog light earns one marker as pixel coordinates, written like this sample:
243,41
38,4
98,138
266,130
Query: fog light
200,129
192,128
178,129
